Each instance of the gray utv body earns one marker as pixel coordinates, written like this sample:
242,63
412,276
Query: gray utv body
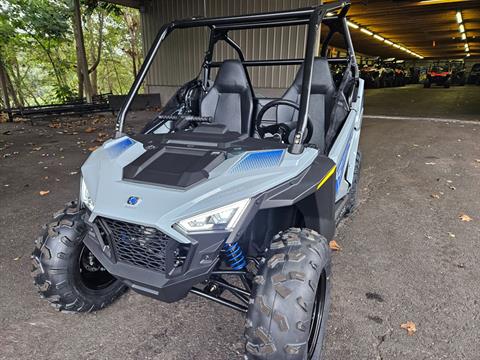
143,185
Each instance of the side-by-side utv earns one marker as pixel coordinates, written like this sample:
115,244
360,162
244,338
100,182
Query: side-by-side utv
446,75
224,194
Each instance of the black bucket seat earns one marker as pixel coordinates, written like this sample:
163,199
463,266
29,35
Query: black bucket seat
323,102
229,101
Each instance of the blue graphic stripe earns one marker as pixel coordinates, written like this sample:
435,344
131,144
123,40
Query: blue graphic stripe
258,160
117,148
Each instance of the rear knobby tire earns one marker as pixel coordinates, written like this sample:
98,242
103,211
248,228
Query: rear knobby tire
352,202
64,270
280,319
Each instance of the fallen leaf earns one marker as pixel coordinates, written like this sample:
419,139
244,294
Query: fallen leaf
37,148
334,246
430,163
465,217
477,160
452,235
73,173
93,148
410,327
101,137
435,196
90,129
44,192
17,258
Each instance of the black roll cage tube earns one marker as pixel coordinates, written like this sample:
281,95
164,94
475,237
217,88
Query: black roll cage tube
219,27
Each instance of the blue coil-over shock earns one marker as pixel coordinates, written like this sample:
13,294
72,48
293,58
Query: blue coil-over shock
235,256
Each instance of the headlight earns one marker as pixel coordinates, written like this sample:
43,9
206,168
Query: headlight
85,197
224,218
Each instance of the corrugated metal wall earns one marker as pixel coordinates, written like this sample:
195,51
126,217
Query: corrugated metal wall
181,55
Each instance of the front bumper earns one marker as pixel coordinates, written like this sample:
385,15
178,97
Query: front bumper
179,267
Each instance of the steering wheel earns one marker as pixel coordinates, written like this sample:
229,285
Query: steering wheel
282,130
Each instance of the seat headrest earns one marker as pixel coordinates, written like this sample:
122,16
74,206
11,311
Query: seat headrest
231,77
322,80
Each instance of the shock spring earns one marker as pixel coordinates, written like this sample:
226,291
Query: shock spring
235,256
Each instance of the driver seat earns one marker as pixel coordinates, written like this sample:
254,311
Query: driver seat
229,101
322,101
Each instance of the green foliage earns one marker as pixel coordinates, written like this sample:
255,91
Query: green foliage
63,93
37,46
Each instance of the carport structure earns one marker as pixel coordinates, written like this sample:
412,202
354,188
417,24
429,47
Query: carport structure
402,29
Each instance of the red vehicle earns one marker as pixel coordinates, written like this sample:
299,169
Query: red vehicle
438,75
451,73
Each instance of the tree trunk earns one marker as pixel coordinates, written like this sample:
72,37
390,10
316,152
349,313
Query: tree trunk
95,57
132,25
11,89
117,77
93,73
78,32
134,65
3,85
17,80
79,74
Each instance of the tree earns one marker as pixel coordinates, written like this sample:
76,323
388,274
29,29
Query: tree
41,64
81,54
44,24
133,38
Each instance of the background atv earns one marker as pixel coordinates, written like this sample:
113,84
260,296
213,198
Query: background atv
224,194
450,73
474,77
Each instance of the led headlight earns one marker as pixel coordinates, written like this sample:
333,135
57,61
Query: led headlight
85,197
224,218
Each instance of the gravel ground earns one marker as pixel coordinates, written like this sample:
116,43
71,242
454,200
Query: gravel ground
406,256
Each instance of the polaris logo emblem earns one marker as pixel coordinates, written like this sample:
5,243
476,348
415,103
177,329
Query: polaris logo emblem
133,201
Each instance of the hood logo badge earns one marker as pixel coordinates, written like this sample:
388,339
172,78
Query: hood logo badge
133,201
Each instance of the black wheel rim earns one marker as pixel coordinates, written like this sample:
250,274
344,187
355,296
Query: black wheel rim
91,273
317,316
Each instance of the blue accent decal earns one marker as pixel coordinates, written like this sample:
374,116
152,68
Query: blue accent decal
340,167
117,148
133,200
258,160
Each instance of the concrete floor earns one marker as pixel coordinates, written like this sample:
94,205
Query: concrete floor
399,260
456,102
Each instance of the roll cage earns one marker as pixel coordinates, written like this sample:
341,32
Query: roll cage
333,15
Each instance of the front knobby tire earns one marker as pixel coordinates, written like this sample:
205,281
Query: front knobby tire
65,272
288,310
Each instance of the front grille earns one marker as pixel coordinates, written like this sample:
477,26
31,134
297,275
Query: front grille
140,245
